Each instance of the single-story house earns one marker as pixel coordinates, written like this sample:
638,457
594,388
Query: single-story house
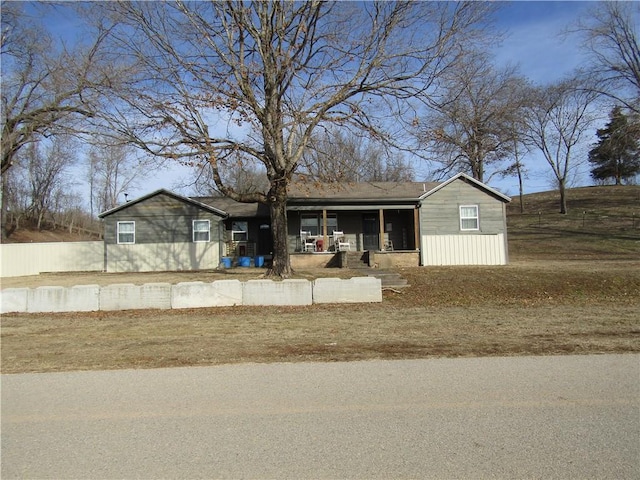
457,222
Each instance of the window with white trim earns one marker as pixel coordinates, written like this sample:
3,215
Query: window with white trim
469,219
126,232
201,231
240,231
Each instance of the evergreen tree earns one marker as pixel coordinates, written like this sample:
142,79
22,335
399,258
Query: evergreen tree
617,154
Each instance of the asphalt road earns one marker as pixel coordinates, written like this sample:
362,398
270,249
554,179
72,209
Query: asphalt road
513,418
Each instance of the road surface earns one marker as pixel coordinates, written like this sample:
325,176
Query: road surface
513,418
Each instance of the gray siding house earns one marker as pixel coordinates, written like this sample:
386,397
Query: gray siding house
162,231
458,222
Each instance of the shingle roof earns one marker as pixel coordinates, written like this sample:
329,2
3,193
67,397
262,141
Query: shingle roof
162,191
235,209
360,191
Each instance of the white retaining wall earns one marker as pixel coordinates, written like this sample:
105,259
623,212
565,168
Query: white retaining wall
354,290
222,293
189,295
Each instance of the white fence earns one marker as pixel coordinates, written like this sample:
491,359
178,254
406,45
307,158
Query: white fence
18,259
220,293
464,250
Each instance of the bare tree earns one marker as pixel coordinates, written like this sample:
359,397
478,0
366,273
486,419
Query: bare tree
469,127
279,70
46,87
335,156
240,177
558,121
45,169
114,167
610,33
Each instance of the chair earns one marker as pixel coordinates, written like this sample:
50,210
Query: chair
308,245
340,242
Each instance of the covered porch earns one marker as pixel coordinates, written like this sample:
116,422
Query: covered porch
322,230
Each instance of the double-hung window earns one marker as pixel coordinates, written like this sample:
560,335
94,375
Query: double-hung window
201,231
126,232
469,219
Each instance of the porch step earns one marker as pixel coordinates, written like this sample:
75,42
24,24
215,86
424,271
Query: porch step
358,260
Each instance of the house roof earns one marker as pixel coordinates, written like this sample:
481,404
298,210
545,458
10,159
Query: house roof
314,193
162,191
355,192
236,209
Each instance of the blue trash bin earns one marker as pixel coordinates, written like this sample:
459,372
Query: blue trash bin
259,261
226,261
244,261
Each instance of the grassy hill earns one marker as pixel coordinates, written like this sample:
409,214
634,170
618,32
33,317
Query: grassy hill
602,222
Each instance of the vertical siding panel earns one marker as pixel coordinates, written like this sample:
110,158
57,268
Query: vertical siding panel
18,259
463,250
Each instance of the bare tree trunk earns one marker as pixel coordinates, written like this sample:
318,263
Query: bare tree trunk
563,196
520,189
4,210
278,207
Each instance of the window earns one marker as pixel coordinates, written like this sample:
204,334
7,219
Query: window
126,232
309,223
469,217
240,231
312,223
201,230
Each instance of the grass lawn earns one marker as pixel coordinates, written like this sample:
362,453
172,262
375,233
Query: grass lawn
569,289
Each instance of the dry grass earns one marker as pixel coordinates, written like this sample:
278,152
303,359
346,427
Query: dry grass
565,293
527,308
601,223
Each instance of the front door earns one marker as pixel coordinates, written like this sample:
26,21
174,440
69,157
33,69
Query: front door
265,241
370,232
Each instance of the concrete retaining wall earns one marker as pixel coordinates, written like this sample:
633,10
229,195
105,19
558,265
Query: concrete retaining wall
268,292
84,298
353,290
126,296
81,298
222,293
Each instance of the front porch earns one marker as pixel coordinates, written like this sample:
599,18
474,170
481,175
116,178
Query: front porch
382,230
368,258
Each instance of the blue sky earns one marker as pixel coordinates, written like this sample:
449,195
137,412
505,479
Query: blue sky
533,41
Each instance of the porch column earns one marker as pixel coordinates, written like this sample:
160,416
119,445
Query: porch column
381,237
325,240
416,228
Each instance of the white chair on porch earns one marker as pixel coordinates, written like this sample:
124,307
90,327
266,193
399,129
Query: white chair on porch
340,242
308,245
